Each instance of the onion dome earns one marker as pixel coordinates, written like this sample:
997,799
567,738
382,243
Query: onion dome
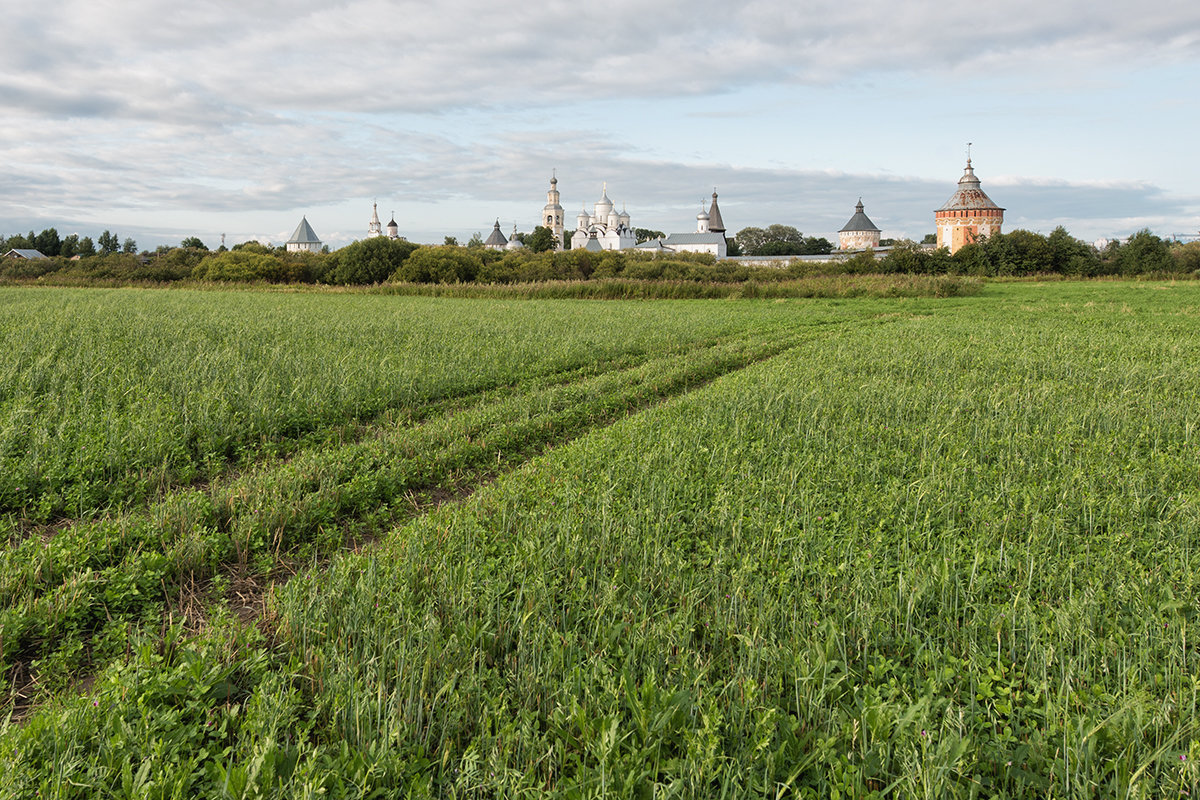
513,242
968,196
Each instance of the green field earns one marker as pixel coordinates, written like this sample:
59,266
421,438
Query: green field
347,545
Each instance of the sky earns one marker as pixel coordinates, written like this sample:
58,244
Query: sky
160,121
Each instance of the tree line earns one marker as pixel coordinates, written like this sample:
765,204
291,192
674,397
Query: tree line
49,243
380,260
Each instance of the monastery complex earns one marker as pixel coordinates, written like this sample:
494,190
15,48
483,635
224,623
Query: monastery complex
968,215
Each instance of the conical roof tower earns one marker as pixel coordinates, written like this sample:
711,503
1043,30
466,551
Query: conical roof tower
968,215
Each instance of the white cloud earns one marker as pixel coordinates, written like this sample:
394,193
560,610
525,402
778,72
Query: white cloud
146,111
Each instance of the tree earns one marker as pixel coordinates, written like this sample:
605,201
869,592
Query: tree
778,240
193,242
1144,252
370,260
646,234
129,246
47,242
750,239
109,243
70,246
541,240
930,238
440,265
450,241
18,242
476,240
87,247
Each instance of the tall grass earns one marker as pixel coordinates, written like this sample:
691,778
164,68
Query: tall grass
950,553
107,398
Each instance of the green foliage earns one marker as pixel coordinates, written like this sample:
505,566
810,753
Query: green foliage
371,260
193,242
1144,252
646,234
70,246
541,240
1187,258
109,243
439,265
868,548
244,266
48,243
780,240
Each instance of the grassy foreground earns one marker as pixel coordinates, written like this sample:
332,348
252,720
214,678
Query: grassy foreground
929,548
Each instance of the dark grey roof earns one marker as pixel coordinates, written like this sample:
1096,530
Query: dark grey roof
304,234
497,239
593,244
859,222
18,252
968,196
715,223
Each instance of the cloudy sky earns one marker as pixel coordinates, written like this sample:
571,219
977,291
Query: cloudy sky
163,120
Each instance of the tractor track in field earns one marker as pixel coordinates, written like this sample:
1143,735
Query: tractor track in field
456,469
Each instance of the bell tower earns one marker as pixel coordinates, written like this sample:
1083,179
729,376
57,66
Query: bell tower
552,213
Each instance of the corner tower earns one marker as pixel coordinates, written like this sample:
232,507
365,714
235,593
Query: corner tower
968,214
859,232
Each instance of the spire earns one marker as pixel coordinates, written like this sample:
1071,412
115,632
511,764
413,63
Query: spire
715,223
374,228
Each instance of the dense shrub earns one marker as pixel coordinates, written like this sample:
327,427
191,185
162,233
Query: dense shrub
369,261
444,264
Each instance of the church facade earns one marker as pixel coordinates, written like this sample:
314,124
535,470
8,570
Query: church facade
604,229
374,228
708,238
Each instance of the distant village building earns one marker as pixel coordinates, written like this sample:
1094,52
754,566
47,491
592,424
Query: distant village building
304,239
553,216
497,240
375,228
708,238
605,229
968,214
859,233
24,254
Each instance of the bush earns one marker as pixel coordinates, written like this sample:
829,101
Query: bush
369,261
242,266
442,264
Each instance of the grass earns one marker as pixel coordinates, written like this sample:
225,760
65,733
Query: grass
836,548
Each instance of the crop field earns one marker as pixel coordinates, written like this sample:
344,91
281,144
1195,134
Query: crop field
346,545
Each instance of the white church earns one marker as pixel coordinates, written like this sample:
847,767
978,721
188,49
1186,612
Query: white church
375,229
708,238
604,229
